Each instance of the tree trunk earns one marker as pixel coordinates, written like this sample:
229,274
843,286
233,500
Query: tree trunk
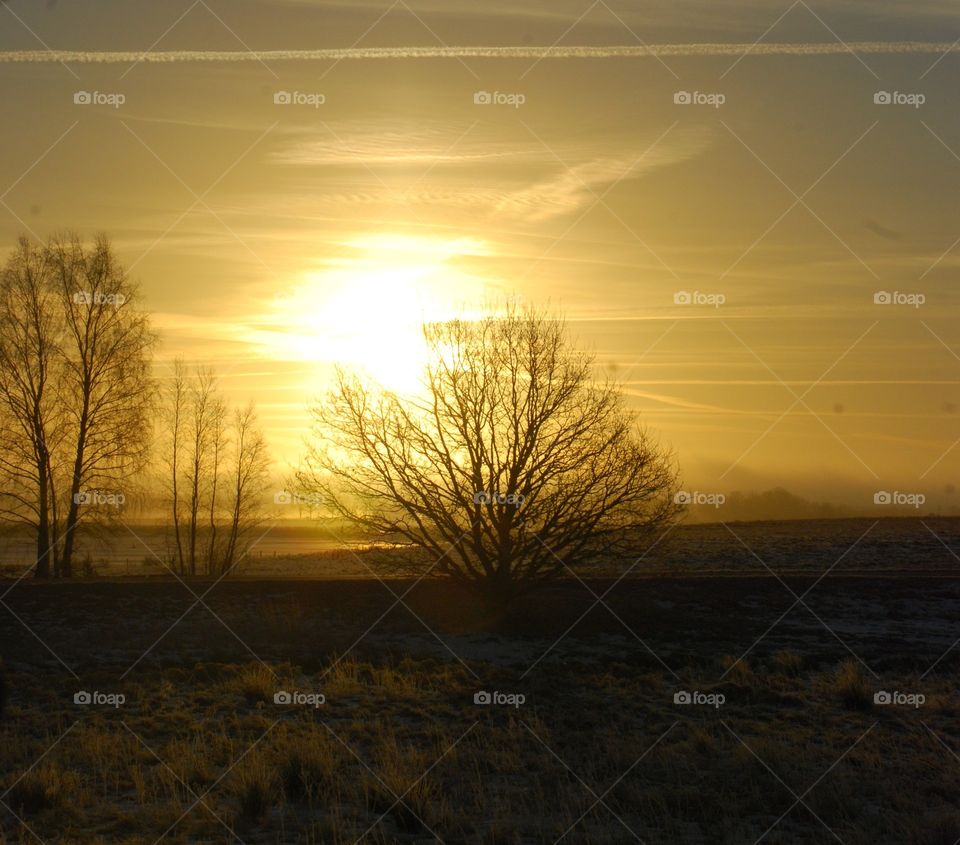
215,471
73,507
499,593
194,508
43,503
181,568
43,530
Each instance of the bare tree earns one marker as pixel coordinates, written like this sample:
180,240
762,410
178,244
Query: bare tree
75,389
203,408
173,418
31,407
218,414
215,470
514,466
250,466
106,357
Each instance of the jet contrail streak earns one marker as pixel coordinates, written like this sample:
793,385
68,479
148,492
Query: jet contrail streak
558,52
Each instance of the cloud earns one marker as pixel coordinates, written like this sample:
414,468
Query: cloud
583,182
370,144
526,52
569,175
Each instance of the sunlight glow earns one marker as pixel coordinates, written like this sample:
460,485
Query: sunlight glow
365,307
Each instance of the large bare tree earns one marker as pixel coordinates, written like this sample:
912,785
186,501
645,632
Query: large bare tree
514,465
106,356
75,391
31,402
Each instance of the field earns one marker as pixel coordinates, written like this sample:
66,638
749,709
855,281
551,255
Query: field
781,648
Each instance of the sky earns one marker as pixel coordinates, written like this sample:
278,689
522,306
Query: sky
748,211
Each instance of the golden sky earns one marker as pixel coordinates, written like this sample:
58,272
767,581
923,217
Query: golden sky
276,238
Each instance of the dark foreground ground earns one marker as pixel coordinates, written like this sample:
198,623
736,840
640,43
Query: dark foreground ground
598,751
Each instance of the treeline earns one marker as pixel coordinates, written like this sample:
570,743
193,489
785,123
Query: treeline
85,425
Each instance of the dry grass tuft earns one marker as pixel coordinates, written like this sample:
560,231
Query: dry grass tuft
45,787
851,688
788,662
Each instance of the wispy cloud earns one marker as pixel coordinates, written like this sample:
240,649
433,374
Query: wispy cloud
526,52
561,179
399,143
583,181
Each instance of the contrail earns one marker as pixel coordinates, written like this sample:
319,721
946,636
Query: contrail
558,52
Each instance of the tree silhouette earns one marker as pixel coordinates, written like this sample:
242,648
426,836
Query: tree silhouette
215,464
107,358
513,466
32,419
75,391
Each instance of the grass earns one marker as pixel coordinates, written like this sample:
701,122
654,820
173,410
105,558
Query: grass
41,789
254,787
464,773
255,682
788,662
308,771
400,753
851,686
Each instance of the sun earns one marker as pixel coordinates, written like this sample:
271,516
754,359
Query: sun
364,307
